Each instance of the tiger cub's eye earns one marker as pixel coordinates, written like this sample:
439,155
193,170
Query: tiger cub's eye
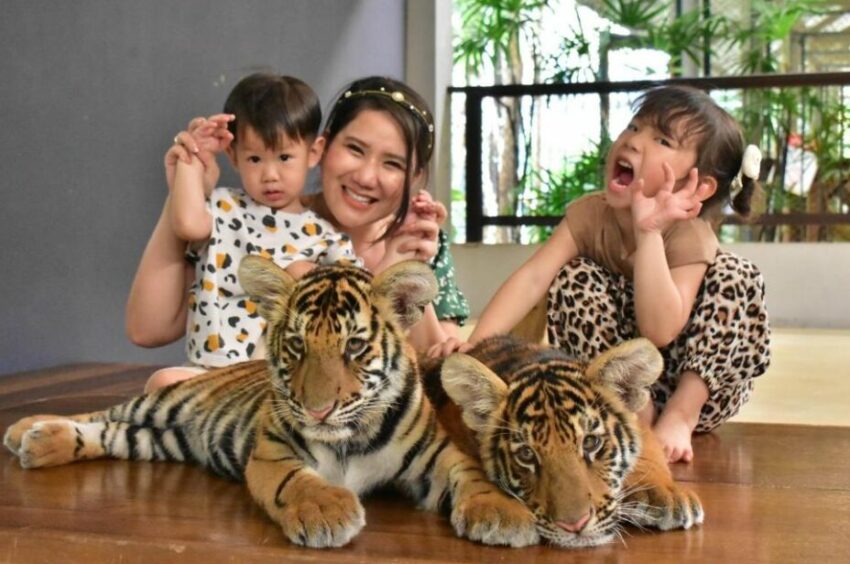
591,444
354,346
526,455
296,343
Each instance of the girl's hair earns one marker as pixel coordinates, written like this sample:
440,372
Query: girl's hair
406,108
718,138
272,104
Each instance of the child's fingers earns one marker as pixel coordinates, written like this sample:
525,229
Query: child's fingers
221,119
637,188
669,178
195,123
693,182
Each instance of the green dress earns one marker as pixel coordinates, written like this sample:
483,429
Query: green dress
450,303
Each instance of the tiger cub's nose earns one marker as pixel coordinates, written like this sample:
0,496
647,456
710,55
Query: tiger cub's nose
321,413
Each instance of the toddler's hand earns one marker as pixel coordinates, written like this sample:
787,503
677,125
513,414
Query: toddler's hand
204,138
657,212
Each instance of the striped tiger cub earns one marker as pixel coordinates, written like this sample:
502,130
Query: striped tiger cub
337,410
562,436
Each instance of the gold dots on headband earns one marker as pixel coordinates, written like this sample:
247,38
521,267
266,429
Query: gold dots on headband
398,98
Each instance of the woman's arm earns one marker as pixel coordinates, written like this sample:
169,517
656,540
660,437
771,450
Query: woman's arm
526,286
157,304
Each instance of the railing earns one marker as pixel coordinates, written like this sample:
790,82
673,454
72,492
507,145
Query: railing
475,218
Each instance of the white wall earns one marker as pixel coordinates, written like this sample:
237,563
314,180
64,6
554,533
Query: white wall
808,284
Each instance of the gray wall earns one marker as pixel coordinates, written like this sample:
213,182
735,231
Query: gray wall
91,93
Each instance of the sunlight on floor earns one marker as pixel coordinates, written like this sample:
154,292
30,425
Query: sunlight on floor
808,382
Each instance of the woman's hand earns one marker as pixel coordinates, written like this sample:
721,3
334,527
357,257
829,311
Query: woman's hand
424,206
204,138
658,212
417,238
447,347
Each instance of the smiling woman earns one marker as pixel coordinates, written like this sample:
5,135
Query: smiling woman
378,141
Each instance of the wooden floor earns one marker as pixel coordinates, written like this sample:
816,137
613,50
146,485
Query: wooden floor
772,493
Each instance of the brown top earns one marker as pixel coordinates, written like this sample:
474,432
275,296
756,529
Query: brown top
598,237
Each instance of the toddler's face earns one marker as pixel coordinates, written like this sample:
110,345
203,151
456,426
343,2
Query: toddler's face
274,177
639,152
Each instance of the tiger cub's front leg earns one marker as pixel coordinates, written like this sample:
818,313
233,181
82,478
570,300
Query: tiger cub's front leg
656,499
480,511
310,511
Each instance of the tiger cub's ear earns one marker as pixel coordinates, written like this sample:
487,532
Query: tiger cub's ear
474,388
409,286
629,369
265,282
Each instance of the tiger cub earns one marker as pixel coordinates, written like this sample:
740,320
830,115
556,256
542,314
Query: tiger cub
562,436
337,410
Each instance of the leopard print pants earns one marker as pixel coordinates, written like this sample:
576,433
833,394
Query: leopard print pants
726,340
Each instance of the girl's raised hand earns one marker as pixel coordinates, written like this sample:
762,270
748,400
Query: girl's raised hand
659,211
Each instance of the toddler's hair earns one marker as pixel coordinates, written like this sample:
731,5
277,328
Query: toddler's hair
273,104
718,139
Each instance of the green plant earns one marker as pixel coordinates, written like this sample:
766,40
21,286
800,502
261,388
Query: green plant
549,191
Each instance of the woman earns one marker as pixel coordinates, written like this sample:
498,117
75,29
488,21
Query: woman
378,144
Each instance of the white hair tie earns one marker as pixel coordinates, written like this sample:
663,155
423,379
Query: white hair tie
750,167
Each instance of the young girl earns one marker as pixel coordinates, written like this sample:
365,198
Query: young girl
639,259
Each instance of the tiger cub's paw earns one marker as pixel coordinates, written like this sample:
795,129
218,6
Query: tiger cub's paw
15,432
48,443
326,516
668,507
494,518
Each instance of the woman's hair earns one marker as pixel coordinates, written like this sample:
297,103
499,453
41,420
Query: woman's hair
719,141
272,104
406,108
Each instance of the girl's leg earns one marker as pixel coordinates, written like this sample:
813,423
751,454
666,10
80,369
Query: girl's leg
726,342
589,310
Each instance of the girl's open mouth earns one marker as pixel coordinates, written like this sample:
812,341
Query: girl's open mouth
624,173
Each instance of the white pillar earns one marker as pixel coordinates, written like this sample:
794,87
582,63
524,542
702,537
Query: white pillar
428,69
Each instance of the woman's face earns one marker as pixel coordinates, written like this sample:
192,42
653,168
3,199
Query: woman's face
363,170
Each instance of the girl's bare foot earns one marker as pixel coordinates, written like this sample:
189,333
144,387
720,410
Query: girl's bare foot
674,434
